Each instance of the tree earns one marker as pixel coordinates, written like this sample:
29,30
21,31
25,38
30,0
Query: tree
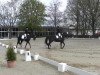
31,14
54,14
94,11
74,13
8,15
85,13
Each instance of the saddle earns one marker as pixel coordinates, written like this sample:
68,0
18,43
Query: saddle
24,36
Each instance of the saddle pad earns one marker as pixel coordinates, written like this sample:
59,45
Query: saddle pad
57,36
22,37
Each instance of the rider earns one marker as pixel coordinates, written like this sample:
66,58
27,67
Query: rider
26,32
58,33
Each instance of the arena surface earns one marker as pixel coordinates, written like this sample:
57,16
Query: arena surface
78,52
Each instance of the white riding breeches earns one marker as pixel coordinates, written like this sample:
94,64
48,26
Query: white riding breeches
22,36
57,36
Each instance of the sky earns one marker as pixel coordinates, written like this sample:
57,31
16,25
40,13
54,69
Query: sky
45,2
63,3
3,1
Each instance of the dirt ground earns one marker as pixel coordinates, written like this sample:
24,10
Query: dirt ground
80,53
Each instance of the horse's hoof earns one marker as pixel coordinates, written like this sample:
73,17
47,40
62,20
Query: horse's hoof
48,48
62,47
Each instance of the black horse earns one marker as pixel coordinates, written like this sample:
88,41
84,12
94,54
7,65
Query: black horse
51,38
26,38
22,38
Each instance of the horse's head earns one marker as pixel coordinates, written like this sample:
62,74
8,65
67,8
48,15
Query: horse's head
28,36
64,34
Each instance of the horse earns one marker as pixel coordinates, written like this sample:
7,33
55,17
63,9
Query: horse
26,38
49,39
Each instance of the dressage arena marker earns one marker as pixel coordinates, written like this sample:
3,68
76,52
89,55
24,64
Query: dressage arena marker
28,56
21,51
62,67
15,49
36,57
7,46
3,45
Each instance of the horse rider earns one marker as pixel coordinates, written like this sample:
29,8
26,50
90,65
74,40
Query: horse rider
26,32
58,32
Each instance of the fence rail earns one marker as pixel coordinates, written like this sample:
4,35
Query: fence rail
4,34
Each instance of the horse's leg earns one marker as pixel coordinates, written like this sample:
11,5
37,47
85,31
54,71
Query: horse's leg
61,45
26,45
49,44
18,42
29,44
17,45
21,43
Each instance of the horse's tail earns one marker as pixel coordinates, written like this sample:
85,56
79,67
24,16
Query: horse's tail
46,41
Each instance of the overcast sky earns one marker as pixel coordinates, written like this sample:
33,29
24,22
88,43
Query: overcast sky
46,2
63,3
3,1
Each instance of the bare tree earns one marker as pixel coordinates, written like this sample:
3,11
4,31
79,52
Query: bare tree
74,12
94,11
54,14
85,13
9,13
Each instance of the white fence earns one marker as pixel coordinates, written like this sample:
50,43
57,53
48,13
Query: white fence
52,62
78,71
